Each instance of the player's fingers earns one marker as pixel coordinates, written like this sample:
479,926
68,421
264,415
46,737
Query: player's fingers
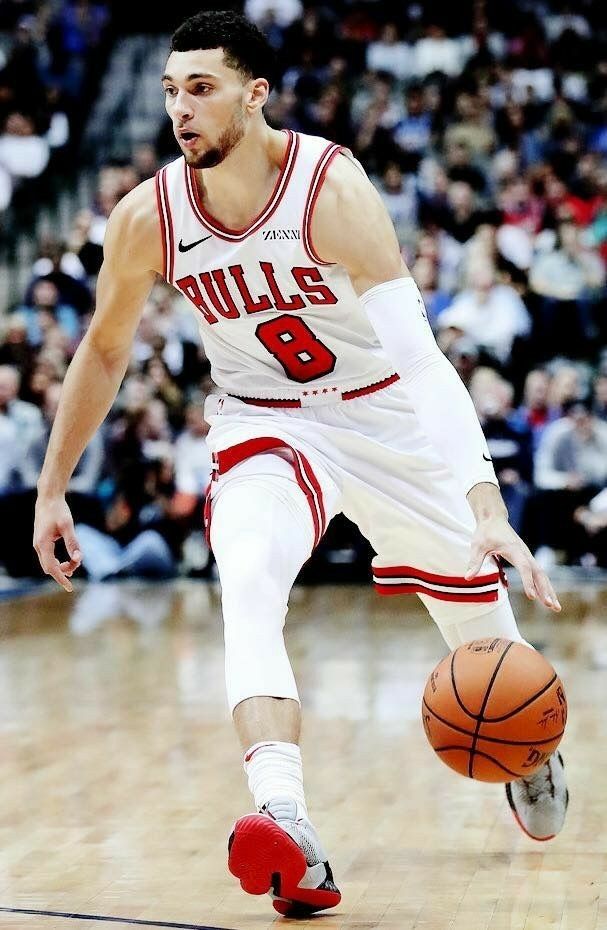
71,543
68,568
544,588
523,564
50,564
53,569
478,554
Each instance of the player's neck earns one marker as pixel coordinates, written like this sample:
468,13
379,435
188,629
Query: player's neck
235,191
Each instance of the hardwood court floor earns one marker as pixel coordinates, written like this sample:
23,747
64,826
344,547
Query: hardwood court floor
120,776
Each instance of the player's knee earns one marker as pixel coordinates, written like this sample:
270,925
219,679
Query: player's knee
252,584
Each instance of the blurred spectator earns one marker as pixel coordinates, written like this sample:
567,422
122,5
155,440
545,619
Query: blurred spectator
567,280
600,397
23,153
45,310
436,52
400,198
133,540
490,314
26,418
10,458
535,413
425,273
570,468
87,473
390,54
463,355
192,459
412,132
509,441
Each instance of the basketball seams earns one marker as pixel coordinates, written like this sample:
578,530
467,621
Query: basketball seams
484,704
478,752
490,739
456,692
516,710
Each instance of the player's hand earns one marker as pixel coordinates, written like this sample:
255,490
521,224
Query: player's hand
495,536
53,521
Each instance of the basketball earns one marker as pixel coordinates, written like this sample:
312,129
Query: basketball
494,710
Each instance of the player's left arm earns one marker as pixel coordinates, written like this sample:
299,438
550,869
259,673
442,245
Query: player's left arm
351,227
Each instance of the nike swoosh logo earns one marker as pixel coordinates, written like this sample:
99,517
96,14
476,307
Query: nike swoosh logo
487,458
192,245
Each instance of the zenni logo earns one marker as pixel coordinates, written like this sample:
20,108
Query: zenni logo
281,234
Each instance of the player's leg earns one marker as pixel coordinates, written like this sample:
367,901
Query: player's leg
261,534
539,802
419,523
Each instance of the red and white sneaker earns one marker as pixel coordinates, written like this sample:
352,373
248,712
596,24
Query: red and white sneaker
539,803
278,852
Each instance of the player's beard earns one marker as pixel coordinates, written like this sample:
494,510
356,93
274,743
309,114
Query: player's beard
228,140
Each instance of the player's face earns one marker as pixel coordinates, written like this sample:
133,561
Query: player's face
206,102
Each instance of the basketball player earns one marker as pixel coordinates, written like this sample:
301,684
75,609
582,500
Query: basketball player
334,397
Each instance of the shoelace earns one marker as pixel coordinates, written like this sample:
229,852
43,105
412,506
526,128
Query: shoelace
539,785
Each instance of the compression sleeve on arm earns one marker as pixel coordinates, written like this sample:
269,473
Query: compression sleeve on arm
440,400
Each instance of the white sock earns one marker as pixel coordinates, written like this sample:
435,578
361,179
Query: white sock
274,769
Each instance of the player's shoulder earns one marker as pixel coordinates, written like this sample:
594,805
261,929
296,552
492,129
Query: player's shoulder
345,178
138,208
133,230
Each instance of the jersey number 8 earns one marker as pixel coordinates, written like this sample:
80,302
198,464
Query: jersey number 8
292,342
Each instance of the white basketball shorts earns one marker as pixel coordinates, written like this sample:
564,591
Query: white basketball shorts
369,458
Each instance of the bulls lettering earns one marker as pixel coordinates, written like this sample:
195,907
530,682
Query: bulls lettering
230,296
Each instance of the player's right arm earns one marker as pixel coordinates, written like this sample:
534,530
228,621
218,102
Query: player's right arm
132,259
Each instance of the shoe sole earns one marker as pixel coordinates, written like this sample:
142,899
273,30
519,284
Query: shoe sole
266,859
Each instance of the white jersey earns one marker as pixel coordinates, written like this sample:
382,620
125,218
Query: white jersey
277,322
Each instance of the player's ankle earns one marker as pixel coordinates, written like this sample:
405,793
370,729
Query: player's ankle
274,769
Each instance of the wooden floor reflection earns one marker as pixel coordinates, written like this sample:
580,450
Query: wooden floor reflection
120,776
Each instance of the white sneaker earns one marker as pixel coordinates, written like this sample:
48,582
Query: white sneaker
279,852
539,803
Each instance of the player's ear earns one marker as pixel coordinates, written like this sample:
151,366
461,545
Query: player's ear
257,94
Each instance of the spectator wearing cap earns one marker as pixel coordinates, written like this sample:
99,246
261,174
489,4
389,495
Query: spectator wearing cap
570,469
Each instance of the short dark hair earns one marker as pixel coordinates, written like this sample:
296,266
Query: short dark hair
245,47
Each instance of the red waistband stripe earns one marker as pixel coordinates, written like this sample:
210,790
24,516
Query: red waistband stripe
295,403
404,579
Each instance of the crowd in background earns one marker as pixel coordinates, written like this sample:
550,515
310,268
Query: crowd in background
484,129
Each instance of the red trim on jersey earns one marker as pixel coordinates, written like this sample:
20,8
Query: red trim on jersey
316,183
467,598
161,217
345,395
407,571
415,580
228,458
171,255
237,235
360,392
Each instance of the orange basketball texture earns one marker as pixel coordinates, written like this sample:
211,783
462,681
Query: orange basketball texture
494,710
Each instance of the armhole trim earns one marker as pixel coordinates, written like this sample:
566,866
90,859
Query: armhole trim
166,225
320,173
